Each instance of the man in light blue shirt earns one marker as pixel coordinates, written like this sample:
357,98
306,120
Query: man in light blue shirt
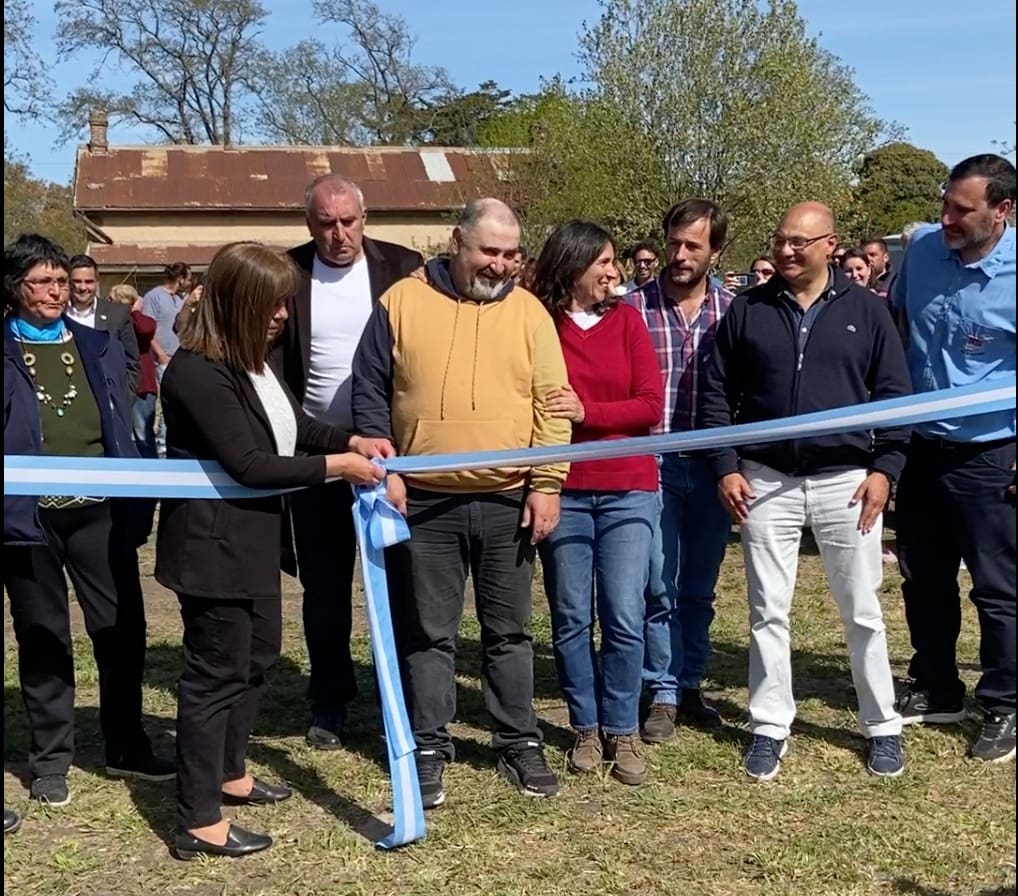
955,498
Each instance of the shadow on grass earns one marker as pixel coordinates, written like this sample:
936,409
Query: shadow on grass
910,887
284,706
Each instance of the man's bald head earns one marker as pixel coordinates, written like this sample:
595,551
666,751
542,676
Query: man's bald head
813,216
489,209
804,241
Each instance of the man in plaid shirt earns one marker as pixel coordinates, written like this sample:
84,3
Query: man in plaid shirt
682,309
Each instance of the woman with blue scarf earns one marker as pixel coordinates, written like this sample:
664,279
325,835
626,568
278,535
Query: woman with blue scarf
65,394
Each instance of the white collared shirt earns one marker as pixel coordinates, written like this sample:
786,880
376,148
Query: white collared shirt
86,317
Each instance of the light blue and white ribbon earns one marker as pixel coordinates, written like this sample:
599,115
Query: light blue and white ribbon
126,478
380,525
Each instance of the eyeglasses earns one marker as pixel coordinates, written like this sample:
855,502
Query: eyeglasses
798,243
644,262
44,284
763,272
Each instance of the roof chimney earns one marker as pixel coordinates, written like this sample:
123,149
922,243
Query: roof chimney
98,125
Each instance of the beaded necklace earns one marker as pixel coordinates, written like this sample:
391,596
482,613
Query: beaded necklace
42,393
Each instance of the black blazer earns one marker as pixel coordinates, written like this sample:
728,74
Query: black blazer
387,263
230,548
115,317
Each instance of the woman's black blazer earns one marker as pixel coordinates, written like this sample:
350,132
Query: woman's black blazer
230,548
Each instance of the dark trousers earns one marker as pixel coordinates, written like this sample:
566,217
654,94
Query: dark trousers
228,647
952,506
326,548
79,540
454,534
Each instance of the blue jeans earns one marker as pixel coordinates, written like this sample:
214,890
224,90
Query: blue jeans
160,423
143,424
596,560
689,545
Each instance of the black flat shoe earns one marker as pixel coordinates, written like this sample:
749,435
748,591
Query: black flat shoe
12,821
326,732
239,842
261,794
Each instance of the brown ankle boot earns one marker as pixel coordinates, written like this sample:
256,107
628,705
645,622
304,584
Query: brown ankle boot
587,753
622,750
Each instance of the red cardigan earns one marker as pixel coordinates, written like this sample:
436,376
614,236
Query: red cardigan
613,368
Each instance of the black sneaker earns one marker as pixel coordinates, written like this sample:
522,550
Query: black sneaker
996,740
326,731
525,767
142,768
918,706
885,759
50,790
430,768
12,821
693,711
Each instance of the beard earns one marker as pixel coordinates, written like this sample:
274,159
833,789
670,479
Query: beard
484,289
685,275
981,234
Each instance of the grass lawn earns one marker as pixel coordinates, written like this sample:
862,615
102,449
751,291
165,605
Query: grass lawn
699,826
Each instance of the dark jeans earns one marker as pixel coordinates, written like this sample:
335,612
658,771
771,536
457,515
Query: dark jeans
79,540
952,506
454,534
326,549
228,647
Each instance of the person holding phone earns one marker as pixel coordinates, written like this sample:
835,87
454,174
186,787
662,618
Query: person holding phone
223,403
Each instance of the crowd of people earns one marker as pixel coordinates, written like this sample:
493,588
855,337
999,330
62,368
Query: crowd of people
307,370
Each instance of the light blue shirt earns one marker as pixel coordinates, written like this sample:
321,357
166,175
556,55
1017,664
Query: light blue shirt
163,306
961,326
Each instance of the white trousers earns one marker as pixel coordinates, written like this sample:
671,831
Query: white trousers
854,568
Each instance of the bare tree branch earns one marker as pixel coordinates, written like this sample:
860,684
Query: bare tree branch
190,60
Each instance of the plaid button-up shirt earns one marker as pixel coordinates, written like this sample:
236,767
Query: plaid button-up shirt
683,349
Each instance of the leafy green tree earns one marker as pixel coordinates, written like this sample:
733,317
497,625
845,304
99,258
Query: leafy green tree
35,206
728,99
898,183
459,118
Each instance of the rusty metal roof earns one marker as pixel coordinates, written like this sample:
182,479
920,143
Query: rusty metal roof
130,255
146,178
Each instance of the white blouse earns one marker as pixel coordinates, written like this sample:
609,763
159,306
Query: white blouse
278,409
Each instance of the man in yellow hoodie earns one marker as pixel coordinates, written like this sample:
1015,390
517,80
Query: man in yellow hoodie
462,361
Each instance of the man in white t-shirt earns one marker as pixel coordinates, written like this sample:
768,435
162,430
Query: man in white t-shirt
343,274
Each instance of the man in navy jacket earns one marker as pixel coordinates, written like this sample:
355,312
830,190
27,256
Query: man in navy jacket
809,340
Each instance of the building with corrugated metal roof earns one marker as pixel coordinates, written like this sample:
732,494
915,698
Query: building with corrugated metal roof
148,206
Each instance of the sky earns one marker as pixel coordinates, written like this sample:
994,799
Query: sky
943,69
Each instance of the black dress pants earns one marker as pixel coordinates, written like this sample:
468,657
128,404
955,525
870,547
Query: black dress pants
326,548
952,505
229,645
79,540
454,534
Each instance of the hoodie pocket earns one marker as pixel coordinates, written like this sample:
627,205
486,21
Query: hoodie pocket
456,436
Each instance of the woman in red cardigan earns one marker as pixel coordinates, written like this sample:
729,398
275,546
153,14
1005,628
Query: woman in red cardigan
596,560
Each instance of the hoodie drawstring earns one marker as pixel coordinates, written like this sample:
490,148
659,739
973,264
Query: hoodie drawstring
473,372
448,360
